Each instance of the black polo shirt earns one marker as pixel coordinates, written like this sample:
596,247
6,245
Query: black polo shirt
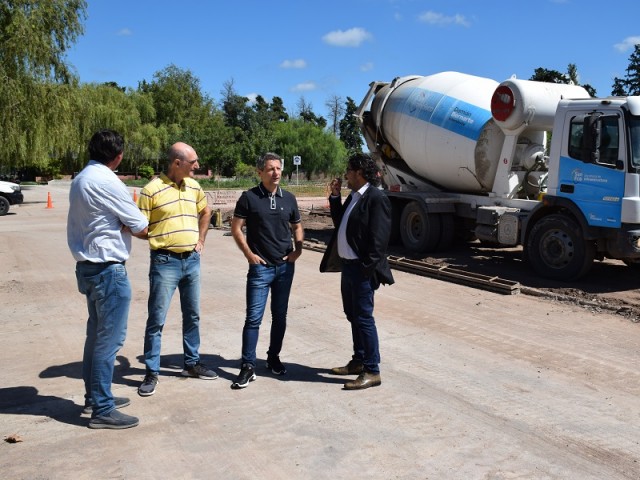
268,222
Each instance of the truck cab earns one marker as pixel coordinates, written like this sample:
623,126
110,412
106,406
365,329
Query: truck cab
593,187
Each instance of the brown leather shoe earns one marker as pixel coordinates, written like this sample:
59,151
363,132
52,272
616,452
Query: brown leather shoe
354,367
364,380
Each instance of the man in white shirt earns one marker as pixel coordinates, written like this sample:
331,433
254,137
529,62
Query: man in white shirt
102,218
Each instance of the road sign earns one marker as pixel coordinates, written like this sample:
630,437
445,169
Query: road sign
297,159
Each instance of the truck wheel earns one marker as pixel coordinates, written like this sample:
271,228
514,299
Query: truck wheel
420,231
556,249
4,206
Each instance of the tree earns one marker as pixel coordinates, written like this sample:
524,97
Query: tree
320,150
350,130
176,94
279,110
34,36
305,112
630,84
554,76
336,109
35,79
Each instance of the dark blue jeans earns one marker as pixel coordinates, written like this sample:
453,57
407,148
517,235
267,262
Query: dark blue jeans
357,302
108,293
166,273
261,279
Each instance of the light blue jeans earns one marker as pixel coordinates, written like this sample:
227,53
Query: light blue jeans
166,273
261,279
108,293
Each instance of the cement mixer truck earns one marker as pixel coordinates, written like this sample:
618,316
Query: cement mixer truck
535,164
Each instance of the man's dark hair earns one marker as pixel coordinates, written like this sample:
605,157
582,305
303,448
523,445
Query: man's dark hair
366,164
268,156
105,145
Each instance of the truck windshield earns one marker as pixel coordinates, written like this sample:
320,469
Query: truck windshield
635,141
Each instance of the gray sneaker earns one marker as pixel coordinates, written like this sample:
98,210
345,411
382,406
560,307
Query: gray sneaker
148,386
199,370
120,402
114,420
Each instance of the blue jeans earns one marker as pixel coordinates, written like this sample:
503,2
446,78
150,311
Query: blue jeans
166,273
108,293
261,279
357,302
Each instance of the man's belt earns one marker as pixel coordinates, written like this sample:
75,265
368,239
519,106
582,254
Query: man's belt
180,255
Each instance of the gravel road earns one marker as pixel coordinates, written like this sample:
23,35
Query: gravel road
476,385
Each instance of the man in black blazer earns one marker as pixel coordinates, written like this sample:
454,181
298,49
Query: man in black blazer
358,250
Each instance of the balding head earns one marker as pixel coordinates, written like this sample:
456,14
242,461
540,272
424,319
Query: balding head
180,151
182,161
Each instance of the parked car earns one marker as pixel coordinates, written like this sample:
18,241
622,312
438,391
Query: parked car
10,194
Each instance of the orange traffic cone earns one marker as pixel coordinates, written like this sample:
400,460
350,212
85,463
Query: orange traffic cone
49,202
135,196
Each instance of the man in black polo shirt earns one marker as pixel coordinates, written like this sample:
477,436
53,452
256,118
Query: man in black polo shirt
270,215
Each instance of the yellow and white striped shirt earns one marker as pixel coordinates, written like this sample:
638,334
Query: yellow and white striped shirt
173,213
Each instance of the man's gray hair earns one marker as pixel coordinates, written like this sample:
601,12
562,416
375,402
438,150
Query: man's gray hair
266,157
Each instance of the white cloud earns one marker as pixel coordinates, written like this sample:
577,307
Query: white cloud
252,98
304,87
124,32
298,63
434,18
627,44
365,67
347,38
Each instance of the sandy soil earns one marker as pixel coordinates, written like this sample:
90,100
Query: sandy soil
476,385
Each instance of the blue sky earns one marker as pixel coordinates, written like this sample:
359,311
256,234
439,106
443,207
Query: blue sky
317,49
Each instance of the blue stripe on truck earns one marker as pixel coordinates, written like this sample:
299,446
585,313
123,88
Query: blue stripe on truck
441,110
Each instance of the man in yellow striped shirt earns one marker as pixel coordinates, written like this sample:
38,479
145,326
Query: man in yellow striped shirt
179,216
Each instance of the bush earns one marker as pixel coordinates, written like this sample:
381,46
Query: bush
146,171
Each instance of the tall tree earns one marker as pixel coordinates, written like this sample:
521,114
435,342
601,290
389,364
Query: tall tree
349,129
335,105
630,84
305,112
34,37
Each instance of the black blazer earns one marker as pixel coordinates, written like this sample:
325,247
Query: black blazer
368,231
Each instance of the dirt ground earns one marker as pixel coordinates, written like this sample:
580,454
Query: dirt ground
610,286
476,385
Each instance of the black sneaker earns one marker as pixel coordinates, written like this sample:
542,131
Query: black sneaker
247,374
114,420
148,386
199,370
275,365
120,402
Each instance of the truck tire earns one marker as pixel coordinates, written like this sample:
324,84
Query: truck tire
556,249
4,206
420,231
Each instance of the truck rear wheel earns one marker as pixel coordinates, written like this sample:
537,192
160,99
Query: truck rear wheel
420,231
556,249
4,206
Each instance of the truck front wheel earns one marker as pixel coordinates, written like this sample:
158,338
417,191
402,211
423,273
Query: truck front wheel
4,206
556,249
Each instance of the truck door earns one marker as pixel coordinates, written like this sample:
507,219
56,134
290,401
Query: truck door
591,171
